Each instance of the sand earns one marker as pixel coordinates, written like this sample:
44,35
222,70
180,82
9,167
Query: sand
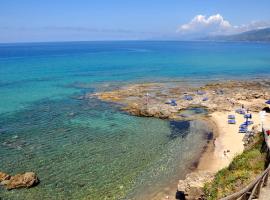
227,141
227,138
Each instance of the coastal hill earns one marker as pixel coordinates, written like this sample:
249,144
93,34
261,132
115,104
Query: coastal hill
253,35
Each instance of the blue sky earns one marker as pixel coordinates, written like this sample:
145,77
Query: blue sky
59,20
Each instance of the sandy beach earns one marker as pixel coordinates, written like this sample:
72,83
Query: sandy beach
228,139
222,100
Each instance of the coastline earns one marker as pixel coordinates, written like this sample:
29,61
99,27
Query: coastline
227,138
212,159
197,165
226,145
205,160
148,100
85,148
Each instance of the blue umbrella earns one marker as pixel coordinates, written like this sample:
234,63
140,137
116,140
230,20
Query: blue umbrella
205,99
188,97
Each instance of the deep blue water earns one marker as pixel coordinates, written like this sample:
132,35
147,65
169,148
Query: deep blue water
85,148
41,70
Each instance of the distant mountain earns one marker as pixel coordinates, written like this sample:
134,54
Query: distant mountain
254,35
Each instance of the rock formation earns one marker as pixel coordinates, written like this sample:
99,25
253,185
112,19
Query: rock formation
4,176
193,184
26,180
151,100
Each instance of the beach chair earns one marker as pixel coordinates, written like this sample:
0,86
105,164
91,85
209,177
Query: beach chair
247,123
240,111
243,130
188,97
205,99
173,102
201,92
248,116
243,126
231,121
231,117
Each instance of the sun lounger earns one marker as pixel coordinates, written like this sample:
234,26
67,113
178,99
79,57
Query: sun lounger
243,126
201,92
242,130
247,123
231,117
205,99
188,97
173,104
240,111
248,115
231,121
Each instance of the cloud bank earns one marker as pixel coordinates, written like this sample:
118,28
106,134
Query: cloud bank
216,25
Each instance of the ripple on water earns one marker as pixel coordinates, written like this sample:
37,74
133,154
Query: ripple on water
89,149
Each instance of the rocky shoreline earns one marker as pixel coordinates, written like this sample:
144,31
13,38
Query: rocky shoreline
25,180
168,101
155,99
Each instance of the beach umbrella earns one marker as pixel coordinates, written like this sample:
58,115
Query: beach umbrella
205,99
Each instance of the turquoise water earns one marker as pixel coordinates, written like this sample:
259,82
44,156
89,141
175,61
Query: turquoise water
88,149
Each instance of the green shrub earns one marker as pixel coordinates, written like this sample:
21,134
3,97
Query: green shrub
243,169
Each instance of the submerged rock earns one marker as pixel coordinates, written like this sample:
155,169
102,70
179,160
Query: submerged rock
26,180
4,176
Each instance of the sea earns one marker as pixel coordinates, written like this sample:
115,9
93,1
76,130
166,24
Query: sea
84,148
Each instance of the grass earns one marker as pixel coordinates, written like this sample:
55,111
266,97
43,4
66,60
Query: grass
243,169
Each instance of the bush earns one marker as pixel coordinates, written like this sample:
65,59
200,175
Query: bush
243,169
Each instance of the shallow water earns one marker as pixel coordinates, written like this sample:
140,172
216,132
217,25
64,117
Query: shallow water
88,149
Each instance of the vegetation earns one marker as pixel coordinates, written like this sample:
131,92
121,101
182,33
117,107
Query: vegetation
243,170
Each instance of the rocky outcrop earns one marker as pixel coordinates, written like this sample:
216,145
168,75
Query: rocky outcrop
193,184
151,100
152,110
26,180
4,176
155,100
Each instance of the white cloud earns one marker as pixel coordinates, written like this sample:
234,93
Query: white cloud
216,25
